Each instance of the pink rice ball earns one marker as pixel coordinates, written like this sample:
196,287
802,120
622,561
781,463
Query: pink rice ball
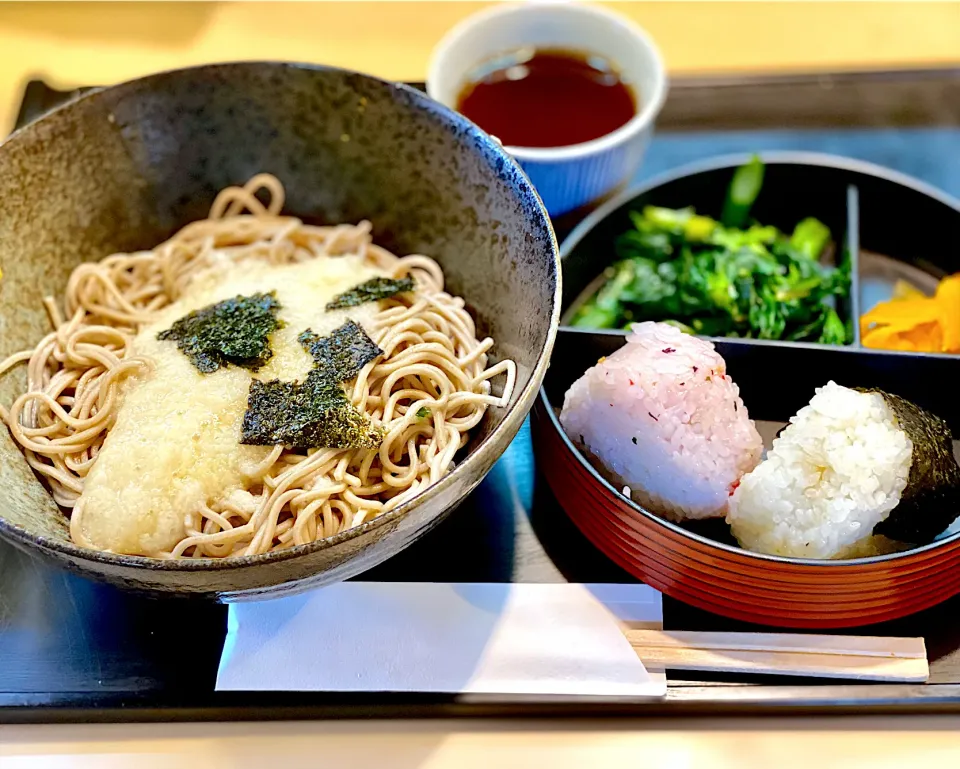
662,417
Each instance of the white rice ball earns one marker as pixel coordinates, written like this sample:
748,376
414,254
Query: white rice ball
833,474
665,420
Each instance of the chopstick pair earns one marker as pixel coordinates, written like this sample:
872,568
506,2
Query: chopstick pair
864,658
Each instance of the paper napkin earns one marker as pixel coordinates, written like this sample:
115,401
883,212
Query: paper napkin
538,639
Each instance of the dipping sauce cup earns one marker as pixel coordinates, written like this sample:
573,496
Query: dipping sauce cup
577,176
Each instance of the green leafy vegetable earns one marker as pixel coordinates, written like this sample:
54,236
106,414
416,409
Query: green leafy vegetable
834,331
712,279
371,291
810,237
423,412
234,331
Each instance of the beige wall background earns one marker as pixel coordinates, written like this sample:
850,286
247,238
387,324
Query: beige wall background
80,43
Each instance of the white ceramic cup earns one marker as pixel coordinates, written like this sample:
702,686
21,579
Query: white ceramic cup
578,175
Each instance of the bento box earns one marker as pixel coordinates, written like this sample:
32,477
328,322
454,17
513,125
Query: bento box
888,234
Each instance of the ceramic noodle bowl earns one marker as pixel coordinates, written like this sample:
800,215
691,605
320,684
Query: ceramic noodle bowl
125,167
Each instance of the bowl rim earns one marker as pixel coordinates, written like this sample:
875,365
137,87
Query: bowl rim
733,160
643,119
773,157
485,452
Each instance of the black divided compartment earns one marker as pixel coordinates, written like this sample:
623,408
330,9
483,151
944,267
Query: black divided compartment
870,211
910,222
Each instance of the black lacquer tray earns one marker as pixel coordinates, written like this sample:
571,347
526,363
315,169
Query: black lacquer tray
73,650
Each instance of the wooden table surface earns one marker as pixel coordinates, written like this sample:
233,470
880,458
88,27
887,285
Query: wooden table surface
73,44
771,744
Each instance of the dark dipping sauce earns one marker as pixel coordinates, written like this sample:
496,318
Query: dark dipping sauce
547,98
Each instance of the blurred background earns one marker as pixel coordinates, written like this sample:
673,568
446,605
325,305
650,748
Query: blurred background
81,43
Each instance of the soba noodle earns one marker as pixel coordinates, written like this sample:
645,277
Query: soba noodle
428,390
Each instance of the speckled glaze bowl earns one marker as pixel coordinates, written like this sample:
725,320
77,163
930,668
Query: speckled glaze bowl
124,167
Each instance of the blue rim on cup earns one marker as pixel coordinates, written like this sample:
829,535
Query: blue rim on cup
575,176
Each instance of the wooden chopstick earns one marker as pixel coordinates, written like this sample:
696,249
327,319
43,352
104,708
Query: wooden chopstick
779,663
856,657
859,646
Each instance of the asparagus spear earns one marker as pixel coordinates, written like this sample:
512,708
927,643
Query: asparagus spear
742,193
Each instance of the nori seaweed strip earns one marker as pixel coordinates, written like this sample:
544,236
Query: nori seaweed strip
341,355
234,331
316,413
931,499
371,291
310,415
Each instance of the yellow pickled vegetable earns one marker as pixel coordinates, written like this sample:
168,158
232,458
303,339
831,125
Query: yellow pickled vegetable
948,297
904,290
913,321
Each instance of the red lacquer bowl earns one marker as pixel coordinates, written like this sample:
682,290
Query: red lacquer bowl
726,580
866,209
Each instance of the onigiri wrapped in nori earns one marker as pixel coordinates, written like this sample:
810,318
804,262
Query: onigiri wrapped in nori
854,470
931,500
662,417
